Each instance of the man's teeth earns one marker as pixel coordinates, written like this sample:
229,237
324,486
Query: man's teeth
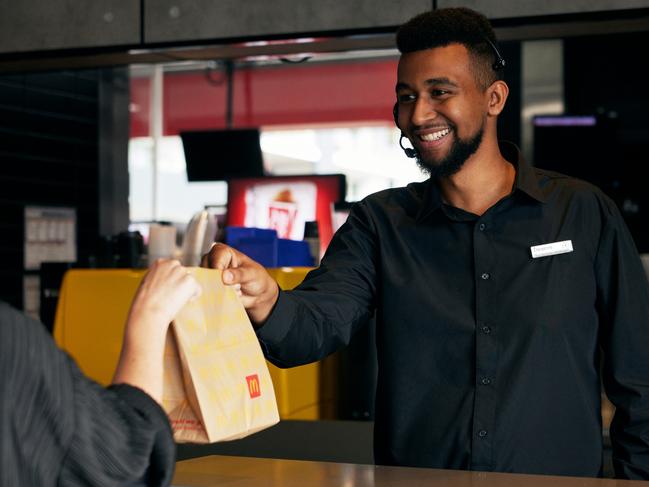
434,136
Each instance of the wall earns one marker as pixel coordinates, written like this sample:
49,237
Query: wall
49,125
603,77
529,8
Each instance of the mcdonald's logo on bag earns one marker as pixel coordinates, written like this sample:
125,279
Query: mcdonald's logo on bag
253,386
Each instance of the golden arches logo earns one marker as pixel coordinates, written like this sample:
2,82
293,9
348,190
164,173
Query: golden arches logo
253,386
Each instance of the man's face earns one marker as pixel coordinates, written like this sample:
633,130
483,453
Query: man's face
442,109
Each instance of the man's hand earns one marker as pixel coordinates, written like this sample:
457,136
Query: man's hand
257,289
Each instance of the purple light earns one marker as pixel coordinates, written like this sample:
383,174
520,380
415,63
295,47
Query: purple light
561,121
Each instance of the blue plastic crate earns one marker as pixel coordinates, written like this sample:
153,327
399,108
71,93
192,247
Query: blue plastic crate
293,253
262,245
259,244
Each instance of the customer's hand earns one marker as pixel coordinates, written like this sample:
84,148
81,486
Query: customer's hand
164,290
258,291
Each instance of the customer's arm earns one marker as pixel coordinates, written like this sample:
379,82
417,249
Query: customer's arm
58,427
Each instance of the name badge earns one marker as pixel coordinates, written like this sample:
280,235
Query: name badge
553,248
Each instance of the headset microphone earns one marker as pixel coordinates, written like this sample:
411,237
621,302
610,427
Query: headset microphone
412,153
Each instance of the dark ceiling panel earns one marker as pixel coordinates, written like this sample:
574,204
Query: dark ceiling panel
192,20
42,25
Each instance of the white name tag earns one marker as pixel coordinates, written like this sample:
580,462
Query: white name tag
553,248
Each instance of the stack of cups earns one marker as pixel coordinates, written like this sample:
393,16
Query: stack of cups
162,242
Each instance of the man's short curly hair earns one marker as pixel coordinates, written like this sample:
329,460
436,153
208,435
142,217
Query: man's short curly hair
461,25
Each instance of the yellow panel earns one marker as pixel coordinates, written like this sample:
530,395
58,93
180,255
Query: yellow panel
298,388
89,325
289,277
91,315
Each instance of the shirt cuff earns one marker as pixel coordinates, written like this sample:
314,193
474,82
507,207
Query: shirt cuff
142,403
276,327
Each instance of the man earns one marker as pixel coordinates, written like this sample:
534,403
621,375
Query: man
57,427
496,287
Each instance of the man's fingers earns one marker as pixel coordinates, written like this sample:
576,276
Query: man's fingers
249,281
246,275
248,278
221,257
235,277
247,301
230,277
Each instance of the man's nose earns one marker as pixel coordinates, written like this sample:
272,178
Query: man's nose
423,111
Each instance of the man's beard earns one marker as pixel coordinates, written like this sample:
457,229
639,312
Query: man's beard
460,151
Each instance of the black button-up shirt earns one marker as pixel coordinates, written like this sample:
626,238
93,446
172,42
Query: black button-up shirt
489,358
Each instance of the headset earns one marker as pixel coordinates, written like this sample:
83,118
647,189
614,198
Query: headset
498,65
409,151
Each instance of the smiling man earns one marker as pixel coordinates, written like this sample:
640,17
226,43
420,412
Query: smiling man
497,287
442,149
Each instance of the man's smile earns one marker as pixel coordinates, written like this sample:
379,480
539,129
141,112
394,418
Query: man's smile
433,136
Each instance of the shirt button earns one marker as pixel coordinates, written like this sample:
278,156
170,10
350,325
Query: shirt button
482,433
481,227
485,276
486,329
485,381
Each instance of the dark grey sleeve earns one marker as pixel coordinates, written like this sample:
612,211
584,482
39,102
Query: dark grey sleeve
60,428
122,437
321,314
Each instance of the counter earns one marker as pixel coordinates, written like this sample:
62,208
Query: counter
254,472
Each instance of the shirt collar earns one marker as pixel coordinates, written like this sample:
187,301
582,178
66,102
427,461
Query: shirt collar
526,181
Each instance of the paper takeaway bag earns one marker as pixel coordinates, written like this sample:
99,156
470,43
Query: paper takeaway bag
216,381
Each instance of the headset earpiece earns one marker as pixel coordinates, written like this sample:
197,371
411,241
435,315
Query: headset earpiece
500,62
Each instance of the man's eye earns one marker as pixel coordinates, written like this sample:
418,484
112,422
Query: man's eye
438,93
405,98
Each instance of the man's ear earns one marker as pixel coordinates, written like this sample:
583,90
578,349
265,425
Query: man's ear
497,96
